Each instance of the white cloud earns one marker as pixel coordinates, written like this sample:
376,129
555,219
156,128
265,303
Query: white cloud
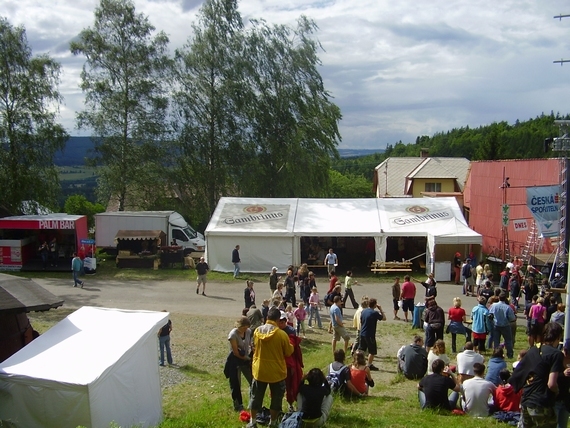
396,69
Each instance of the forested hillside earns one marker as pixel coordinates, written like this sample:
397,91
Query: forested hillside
521,140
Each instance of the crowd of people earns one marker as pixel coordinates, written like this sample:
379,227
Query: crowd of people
265,347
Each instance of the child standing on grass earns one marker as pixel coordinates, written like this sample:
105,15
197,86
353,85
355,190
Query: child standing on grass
314,302
291,319
301,315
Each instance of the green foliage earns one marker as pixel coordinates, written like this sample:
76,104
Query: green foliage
125,98
29,134
293,125
359,166
349,186
499,140
79,205
207,74
252,115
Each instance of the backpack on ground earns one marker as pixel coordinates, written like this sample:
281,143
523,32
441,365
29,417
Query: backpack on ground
292,420
334,378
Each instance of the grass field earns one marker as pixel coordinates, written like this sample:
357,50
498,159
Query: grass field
75,173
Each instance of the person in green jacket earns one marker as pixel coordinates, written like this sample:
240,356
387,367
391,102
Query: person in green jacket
76,266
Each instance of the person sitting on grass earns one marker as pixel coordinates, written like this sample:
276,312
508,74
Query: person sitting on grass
476,392
432,389
360,374
506,399
412,359
339,375
437,353
314,398
496,364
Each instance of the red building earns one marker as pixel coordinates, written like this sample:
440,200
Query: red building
484,195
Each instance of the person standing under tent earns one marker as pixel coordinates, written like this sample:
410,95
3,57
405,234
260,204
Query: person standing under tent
331,261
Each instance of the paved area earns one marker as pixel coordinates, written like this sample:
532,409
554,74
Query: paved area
222,299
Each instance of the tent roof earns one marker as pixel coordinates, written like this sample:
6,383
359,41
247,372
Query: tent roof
242,216
83,346
438,217
24,295
337,217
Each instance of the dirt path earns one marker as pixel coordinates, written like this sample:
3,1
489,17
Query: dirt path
223,299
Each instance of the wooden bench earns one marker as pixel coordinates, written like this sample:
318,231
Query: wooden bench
384,267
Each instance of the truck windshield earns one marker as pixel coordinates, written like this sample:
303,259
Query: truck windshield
190,232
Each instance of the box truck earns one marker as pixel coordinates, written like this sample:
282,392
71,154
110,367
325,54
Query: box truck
107,225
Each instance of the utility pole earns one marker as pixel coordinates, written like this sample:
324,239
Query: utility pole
562,145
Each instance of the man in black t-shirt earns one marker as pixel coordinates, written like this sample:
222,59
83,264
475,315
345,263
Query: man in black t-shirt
202,269
541,384
164,342
368,320
433,388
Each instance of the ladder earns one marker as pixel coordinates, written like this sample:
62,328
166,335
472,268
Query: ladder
531,242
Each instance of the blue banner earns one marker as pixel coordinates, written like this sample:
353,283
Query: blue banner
544,204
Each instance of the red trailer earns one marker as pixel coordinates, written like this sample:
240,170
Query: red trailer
21,238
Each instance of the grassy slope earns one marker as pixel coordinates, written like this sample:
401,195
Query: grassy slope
203,400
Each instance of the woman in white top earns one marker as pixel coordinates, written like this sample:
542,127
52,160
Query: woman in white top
437,352
278,295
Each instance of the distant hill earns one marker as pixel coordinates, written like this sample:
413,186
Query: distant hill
77,148
75,152
354,153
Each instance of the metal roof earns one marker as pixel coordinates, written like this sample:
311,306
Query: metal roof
394,173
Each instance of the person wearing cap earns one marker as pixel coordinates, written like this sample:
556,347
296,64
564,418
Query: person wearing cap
271,347
202,269
273,279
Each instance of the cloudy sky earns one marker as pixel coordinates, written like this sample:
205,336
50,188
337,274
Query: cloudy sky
397,69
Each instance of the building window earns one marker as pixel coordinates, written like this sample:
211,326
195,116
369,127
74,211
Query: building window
433,187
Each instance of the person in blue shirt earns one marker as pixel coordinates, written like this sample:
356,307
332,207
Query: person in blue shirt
479,315
503,315
495,365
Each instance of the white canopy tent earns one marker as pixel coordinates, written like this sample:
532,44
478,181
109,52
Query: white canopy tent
94,367
269,230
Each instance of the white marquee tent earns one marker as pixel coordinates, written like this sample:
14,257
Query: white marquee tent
269,230
94,367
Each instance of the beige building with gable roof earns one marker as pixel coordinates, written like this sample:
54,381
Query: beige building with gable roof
422,176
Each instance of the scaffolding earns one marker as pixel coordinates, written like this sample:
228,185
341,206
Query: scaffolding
562,145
